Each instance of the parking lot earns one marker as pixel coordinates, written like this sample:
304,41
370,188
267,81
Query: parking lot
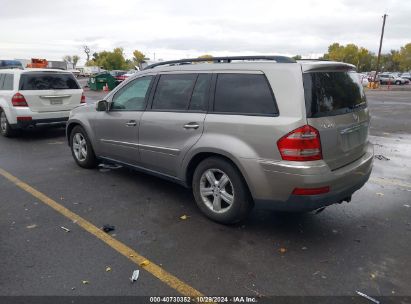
362,246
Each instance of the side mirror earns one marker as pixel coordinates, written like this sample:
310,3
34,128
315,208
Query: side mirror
102,106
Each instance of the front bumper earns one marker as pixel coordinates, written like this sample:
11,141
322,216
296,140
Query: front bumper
272,183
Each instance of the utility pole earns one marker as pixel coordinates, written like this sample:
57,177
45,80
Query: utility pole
379,50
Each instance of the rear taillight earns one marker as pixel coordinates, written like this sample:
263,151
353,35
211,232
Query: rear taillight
302,144
18,100
83,98
311,191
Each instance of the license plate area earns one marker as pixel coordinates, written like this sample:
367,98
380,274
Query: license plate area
56,101
353,137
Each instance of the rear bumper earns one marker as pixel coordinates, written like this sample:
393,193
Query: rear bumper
276,182
36,117
25,124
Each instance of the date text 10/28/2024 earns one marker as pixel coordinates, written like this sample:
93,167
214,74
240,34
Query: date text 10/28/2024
203,299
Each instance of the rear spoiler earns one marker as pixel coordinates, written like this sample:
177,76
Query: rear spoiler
325,66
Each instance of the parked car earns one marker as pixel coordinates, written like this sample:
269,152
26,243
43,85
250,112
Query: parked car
289,134
118,75
10,64
36,96
129,73
406,76
363,79
391,79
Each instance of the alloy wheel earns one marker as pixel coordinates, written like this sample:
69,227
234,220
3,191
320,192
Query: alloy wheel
79,147
216,190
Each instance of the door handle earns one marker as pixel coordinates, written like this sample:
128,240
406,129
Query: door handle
131,123
191,125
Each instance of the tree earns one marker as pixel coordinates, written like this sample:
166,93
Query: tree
405,57
68,59
87,51
138,58
297,57
391,61
75,59
109,60
351,53
206,56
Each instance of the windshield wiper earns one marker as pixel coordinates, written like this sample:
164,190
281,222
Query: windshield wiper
356,106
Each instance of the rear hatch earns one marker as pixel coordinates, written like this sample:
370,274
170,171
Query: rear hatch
336,106
47,91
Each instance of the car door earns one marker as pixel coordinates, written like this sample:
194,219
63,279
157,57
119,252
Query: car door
117,129
174,122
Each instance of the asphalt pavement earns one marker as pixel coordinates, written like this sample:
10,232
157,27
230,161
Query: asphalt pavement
362,246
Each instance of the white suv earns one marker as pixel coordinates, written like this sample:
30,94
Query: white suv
36,96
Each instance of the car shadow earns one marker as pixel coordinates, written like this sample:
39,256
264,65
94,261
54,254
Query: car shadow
41,132
262,221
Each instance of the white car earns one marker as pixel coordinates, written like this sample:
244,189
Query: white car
35,96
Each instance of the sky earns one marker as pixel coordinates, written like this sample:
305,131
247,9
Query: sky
173,29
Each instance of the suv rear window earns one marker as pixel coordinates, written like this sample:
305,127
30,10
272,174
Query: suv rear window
332,93
47,81
248,94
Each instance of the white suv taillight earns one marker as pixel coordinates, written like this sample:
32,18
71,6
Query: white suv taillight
18,100
302,144
83,98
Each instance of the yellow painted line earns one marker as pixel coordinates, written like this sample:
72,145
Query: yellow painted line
118,246
390,182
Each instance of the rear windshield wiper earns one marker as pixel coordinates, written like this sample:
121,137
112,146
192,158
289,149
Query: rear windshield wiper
358,105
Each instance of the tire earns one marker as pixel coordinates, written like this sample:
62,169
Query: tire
398,82
215,205
5,128
79,140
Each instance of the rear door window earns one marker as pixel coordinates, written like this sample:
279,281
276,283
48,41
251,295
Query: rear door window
332,93
47,81
173,92
8,82
199,99
248,94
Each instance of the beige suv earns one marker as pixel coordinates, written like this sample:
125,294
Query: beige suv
237,130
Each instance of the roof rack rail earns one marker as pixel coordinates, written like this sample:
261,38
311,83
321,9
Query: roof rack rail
278,59
314,59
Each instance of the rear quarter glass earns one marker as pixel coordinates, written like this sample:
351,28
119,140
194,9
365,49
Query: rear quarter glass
332,93
47,81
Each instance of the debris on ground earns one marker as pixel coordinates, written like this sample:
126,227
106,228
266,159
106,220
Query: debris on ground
367,297
282,250
85,282
406,206
108,268
304,248
107,228
380,194
31,226
73,288
108,167
65,229
184,217
381,157
134,276
144,263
